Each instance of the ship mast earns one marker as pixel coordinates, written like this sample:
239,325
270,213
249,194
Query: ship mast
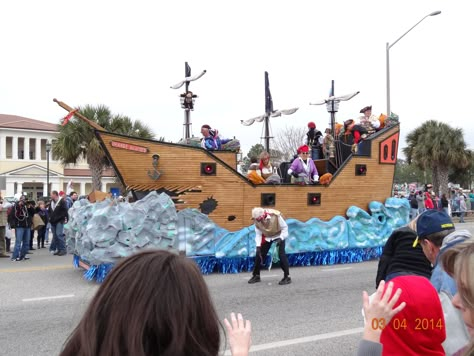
269,112
188,98
332,106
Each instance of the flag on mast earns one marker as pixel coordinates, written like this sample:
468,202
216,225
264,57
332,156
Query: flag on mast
68,117
187,70
268,96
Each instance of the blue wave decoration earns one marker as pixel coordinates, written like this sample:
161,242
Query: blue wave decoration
212,264
358,238
102,271
360,230
91,273
75,261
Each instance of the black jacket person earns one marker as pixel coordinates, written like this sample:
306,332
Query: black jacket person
399,257
58,216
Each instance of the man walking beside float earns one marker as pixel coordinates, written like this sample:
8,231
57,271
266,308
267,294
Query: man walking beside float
270,227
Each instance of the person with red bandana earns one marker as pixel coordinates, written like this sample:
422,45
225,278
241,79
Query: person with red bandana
303,169
314,139
270,227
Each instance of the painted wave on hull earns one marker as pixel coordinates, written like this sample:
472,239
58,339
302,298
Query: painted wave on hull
105,232
359,230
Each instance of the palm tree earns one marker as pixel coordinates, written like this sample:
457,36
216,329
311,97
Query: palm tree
76,139
463,176
438,146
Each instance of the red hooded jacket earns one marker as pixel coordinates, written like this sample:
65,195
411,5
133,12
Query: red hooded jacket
419,328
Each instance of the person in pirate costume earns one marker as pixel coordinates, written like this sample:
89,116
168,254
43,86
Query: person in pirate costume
370,122
354,134
303,169
313,140
270,227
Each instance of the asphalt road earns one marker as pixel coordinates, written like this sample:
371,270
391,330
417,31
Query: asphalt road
42,300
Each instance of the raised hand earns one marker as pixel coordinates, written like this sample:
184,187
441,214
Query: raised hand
380,309
239,334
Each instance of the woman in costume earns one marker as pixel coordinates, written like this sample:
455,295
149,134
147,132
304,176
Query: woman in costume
252,172
265,169
359,132
303,168
211,140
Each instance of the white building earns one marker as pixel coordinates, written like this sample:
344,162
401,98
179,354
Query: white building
23,161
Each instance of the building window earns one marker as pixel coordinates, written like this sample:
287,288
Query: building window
43,149
33,152
21,148
53,157
9,147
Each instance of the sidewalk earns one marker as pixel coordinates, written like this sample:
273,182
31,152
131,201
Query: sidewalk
39,259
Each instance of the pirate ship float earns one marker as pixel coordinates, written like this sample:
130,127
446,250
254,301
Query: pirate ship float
209,182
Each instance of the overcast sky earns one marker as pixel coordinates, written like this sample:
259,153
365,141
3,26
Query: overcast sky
126,54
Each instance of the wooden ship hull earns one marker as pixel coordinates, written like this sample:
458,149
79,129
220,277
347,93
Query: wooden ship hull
209,181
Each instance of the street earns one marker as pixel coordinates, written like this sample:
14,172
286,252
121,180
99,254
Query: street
43,299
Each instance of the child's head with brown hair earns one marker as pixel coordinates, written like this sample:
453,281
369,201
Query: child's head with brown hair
152,303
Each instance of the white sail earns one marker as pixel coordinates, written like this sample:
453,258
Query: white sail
188,79
336,98
251,121
284,112
276,113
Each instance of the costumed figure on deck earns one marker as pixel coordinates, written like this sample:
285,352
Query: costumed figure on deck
303,169
211,140
314,139
252,174
338,129
270,227
370,122
353,134
328,144
266,171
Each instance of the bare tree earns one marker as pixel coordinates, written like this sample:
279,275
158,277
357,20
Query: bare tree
288,140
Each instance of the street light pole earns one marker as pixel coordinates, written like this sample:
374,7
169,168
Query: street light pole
387,51
48,149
